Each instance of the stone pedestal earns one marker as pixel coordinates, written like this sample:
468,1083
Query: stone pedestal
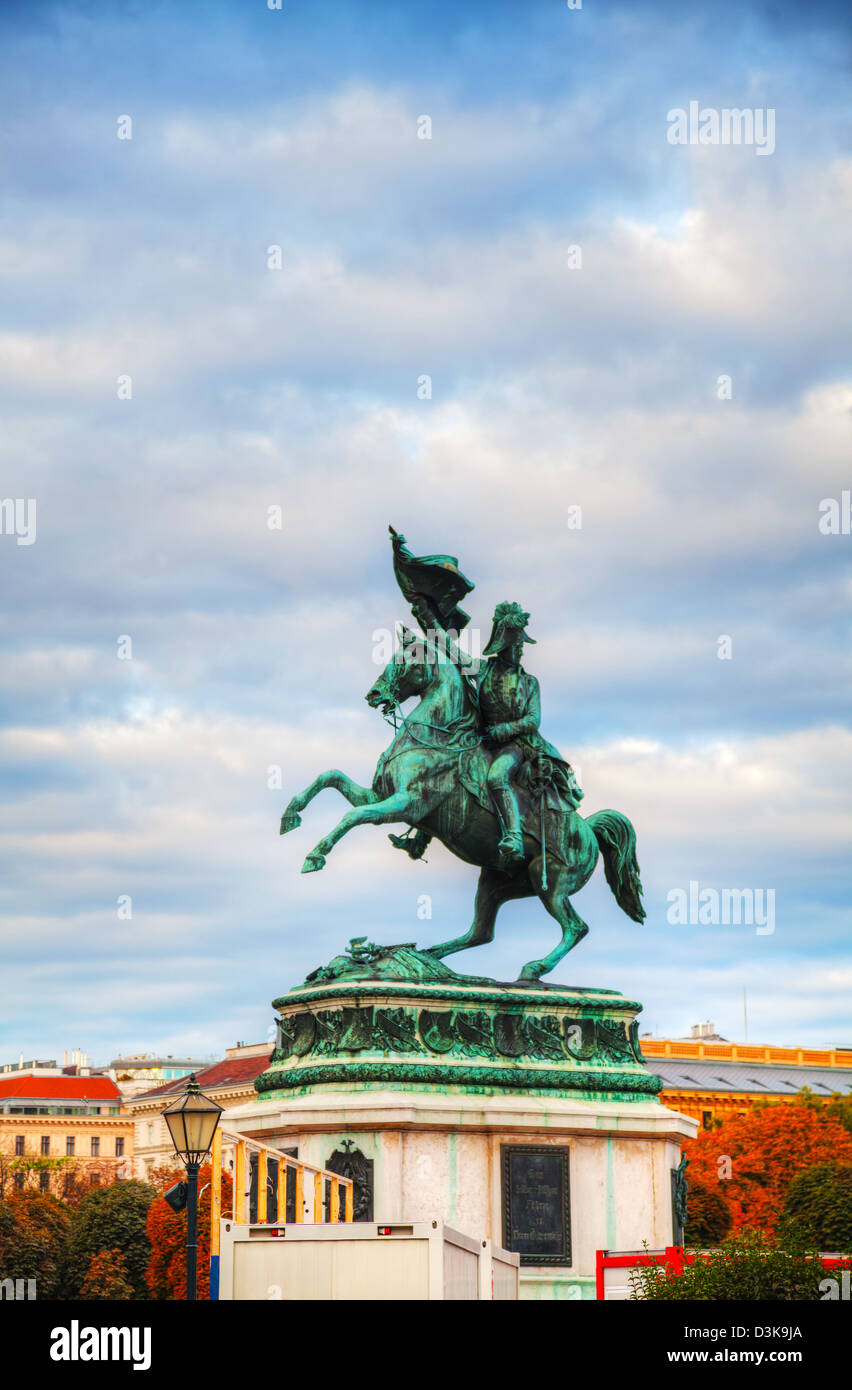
521,1114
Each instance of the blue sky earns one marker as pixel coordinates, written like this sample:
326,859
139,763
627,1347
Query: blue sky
551,387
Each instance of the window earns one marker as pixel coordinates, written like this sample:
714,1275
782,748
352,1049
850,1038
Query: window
45,1144
19,1181
150,1134
44,1182
96,1146
119,1146
707,1119
19,1145
69,1146
94,1179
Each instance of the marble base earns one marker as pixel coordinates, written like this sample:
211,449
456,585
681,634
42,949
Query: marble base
437,1153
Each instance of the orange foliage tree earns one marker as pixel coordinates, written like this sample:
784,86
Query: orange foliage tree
166,1275
107,1277
752,1159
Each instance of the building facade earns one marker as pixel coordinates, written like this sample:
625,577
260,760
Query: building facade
59,1132
143,1071
711,1079
229,1082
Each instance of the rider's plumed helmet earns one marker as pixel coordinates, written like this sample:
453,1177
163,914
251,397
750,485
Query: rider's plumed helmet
510,620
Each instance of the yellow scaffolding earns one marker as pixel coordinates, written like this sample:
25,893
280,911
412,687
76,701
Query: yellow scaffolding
267,1158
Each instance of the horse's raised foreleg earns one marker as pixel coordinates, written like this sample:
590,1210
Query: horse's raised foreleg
494,889
561,882
397,807
355,794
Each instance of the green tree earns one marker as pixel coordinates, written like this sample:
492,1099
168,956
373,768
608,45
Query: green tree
708,1216
110,1218
107,1277
820,1201
746,1267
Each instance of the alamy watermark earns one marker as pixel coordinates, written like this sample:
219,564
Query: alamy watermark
441,643
76,1343
835,515
722,907
834,1290
18,518
708,125
17,1289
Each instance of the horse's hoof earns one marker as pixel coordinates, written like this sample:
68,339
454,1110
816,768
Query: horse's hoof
290,820
533,971
313,863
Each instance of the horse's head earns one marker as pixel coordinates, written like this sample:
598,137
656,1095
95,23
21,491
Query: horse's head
407,673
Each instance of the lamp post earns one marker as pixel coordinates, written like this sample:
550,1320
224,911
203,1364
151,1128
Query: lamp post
192,1121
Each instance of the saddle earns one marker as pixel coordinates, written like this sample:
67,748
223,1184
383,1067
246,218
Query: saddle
544,813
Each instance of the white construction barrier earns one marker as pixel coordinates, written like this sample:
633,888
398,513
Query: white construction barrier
362,1261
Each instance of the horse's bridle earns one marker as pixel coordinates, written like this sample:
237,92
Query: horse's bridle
396,709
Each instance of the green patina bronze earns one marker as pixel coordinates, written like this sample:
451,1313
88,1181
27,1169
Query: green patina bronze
351,1032
479,1080
469,766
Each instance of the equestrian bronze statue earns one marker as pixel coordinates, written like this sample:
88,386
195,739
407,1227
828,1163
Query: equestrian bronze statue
469,766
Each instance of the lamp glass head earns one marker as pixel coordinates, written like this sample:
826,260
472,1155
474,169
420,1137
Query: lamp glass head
192,1121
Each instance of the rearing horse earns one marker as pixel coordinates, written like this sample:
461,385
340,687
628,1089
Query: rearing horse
433,778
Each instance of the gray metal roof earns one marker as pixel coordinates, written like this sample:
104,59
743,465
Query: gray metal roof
707,1074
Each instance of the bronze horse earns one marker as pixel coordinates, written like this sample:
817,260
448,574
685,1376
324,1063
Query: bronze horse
432,777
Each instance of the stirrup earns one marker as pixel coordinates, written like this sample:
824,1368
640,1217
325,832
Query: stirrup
511,847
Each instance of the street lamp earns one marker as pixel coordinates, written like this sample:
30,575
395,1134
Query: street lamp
192,1121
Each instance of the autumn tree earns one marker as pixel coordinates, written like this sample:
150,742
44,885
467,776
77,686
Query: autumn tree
166,1275
72,1179
107,1277
839,1107
79,1177
33,1230
752,1159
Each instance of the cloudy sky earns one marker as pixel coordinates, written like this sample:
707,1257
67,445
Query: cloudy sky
553,386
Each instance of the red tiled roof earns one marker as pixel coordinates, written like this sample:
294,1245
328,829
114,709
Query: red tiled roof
234,1071
59,1088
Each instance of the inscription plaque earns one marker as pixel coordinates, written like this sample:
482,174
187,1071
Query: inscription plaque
536,1203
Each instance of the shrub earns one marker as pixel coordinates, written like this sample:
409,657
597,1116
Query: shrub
747,1267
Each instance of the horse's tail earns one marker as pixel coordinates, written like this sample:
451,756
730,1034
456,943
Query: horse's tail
617,841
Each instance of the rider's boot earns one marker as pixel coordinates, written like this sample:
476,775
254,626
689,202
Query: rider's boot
511,845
